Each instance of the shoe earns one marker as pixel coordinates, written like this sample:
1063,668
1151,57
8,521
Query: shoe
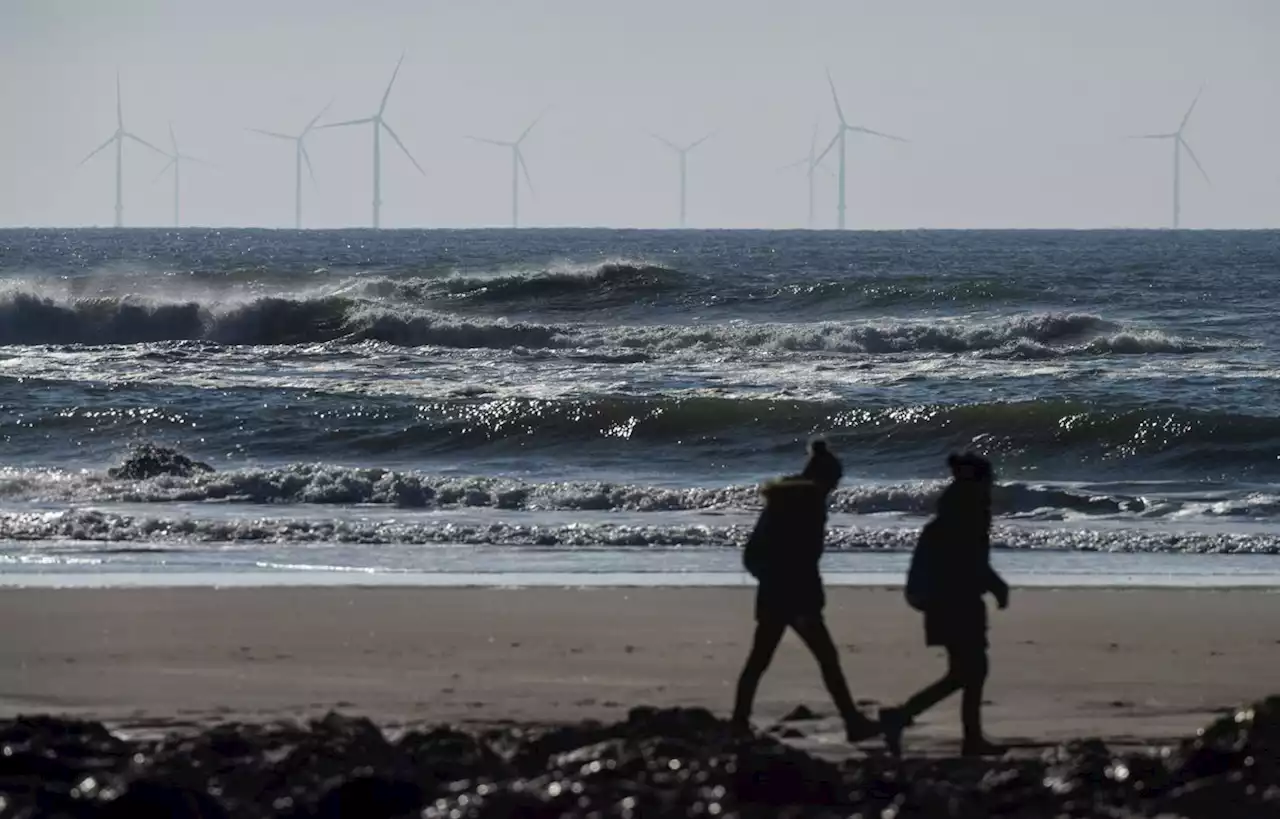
981,747
857,727
893,721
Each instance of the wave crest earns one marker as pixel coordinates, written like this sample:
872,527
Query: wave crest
157,533
328,484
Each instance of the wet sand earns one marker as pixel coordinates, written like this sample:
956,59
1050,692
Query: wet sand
1130,666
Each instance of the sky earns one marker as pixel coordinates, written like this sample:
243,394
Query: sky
1017,112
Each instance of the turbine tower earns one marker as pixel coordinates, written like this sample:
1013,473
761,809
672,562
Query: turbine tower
1179,144
118,138
842,130
683,153
517,166
379,124
300,155
811,164
175,161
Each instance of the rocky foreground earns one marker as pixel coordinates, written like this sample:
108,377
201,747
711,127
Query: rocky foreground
658,763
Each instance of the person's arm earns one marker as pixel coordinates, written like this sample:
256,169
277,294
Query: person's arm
992,581
997,586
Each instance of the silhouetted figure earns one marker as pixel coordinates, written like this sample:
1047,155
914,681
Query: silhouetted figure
783,553
950,572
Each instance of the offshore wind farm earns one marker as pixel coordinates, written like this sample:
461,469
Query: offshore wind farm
812,164
836,149
974,144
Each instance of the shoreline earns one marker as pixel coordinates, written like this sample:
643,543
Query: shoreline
367,579
1134,667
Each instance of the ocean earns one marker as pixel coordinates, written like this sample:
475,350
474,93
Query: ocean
598,406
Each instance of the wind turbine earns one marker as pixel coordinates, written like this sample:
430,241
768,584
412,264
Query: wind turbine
811,164
1179,143
118,138
683,152
517,166
378,124
175,161
300,155
839,139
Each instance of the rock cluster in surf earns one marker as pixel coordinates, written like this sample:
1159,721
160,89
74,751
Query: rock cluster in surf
656,763
151,461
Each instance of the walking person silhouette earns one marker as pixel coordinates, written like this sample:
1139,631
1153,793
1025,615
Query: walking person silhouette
950,572
783,554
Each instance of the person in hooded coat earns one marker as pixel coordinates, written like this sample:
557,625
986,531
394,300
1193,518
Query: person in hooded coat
783,554
950,573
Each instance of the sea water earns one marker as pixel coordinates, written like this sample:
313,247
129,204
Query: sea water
589,406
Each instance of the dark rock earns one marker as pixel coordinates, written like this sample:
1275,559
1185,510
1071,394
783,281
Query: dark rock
147,799
371,797
799,714
657,762
150,461
447,755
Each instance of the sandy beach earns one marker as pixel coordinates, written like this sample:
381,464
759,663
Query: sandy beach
1130,666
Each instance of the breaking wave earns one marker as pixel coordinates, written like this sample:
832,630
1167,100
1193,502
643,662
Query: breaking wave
35,318
123,532
325,484
579,286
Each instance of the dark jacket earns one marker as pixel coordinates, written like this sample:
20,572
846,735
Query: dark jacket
787,541
953,560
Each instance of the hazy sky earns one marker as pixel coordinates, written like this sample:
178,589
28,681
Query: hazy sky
1017,110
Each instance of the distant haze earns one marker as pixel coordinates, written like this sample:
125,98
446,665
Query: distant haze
1017,111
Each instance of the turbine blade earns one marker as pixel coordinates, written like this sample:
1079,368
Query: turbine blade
1187,115
315,119
834,97
142,141
206,163
799,163
499,143
269,133
813,140
306,157
173,140
859,129
406,150
526,131
1192,154
99,149
666,142
830,145
699,142
344,123
387,94
1154,136
119,104
528,179
163,170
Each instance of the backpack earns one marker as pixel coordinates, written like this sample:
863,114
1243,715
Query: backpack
924,568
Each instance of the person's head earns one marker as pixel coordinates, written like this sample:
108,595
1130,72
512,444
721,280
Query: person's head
822,468
972,472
